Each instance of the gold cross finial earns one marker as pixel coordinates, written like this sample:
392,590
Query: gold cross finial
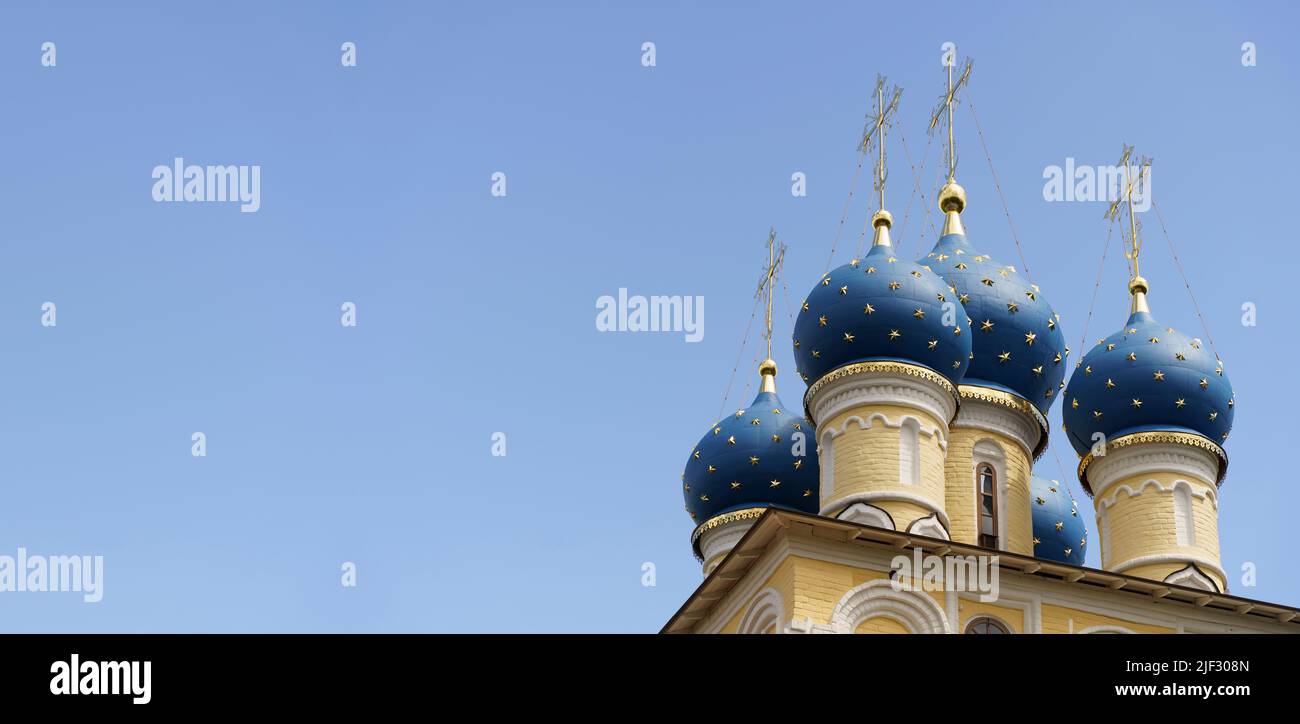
874,133
1142,172
766,285
945,107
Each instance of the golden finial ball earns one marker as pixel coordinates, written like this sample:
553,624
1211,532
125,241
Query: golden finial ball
767,367
952,197
882,217
1137,284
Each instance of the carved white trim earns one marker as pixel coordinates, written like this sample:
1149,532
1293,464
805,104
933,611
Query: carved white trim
1206,491
1127,462
874,495
1018,426
882,388
1192,578
929,526
766,611
1202,561
916,611
1103,629
717,542
829,433
867,515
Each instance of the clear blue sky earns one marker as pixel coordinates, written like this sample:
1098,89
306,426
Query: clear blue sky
476,314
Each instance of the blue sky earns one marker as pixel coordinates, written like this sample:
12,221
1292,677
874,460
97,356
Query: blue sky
372,444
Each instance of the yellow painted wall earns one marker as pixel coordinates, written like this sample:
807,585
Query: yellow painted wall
867,460
1143,524
960,489
881,625
1057,619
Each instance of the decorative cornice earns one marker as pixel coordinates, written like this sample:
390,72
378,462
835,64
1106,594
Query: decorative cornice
717,520
898,371
1012,402
1158,437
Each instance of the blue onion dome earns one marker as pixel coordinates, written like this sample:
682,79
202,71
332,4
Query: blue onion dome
881,308
1148,378
762,456
1015,335
1059,531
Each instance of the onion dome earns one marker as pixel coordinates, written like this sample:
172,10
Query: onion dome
1015,335
1059,531
881,308
762,456
1148,378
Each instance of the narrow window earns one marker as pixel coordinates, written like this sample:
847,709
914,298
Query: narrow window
987,481
1184,526
909,452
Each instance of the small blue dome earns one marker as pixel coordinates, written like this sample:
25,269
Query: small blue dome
1146,377
1059,532
748,460
1015,336
881,308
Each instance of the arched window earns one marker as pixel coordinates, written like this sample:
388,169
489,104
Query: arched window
1184,525
986,625
909,452
986,481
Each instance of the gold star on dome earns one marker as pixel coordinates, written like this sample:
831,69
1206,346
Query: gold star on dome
848,337
1132,357
1060,525
696,454
798,463
1214,416
1004,357
776,411
796,344
687,487
1057,359
894,286
1040,500
853,263
942,257
1002,273
1232,402
731,439
918,314
1136,404
986,282
1224,436
1029,338
956,331
956,364
1036,541
1196,345
1087,370
805,305
933,343
871,270
1031,296
753,459
940,297
869,309
1110,346
821,321
1219,372
1110,384
807,493
917,274
1154,340
1075,403
986,326
892,259
1158,376
893,334
980,257
717,430
1012,307
844,289
755,421
1051,324
735,485
774,484
776,438
712,469
958,251
1180,357
704,498
740,413
963,298
1067,551
1039,371
817,354
1096,414
1205,384
1180,402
